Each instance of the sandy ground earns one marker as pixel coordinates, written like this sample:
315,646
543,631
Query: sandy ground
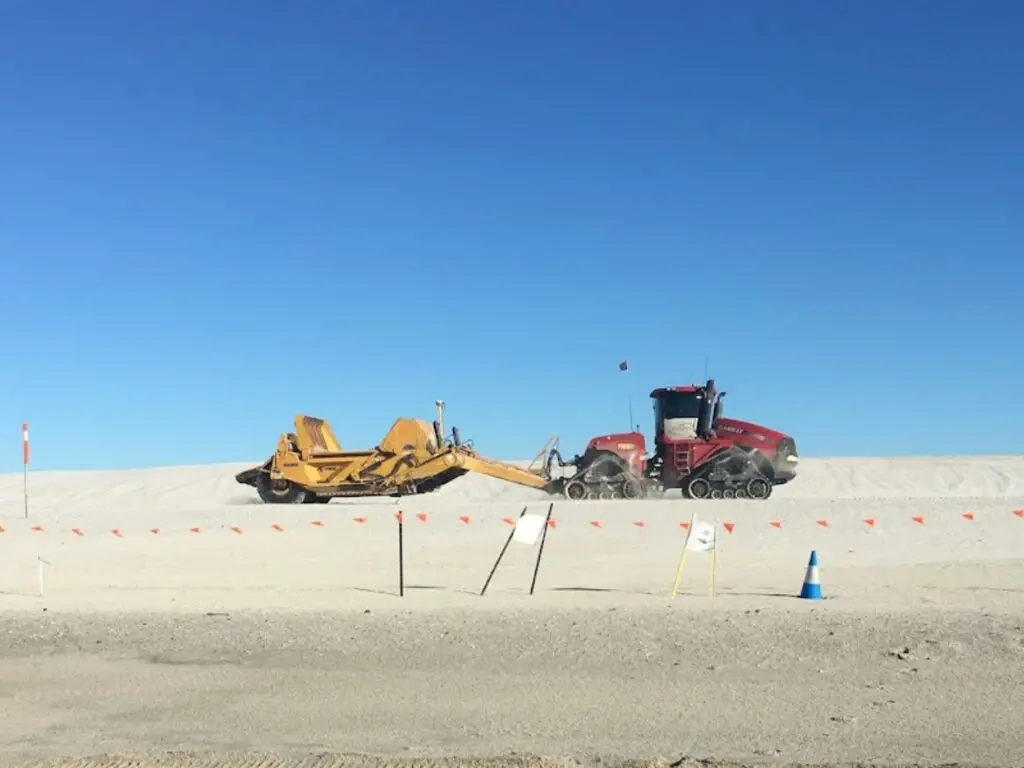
178,626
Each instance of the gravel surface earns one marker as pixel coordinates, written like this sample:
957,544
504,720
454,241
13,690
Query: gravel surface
743,687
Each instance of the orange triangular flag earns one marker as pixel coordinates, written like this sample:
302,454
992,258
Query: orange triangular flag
823,523
968,515
422,516
870,521
918,519
465,519
729,526
596,523
776,523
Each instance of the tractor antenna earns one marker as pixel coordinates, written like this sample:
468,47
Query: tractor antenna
624,366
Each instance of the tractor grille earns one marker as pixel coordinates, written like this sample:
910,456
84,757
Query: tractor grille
787,447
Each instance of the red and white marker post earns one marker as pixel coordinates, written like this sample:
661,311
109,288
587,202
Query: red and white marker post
24,463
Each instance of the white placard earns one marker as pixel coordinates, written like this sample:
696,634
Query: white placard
702,537
528,529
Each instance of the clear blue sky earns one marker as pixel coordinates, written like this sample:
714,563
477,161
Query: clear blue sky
215,215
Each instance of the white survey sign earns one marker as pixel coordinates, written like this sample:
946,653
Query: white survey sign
702,537
528,529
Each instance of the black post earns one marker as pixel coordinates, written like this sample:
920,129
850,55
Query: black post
540,552
501,555
401,559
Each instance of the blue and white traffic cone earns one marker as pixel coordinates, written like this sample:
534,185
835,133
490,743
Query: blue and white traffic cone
811,589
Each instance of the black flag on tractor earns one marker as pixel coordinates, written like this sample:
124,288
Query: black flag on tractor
623,366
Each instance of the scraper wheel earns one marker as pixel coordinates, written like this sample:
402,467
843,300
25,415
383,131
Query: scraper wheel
280,492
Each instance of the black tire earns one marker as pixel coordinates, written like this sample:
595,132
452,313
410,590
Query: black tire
698,488
575,490
312,498
633,489
728,493
716,493
759,488
284,493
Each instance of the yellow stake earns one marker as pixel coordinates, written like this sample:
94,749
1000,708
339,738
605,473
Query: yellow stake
682,557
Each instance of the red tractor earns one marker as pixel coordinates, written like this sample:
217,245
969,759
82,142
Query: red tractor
696,449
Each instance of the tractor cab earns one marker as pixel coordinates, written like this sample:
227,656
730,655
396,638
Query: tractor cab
686,413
